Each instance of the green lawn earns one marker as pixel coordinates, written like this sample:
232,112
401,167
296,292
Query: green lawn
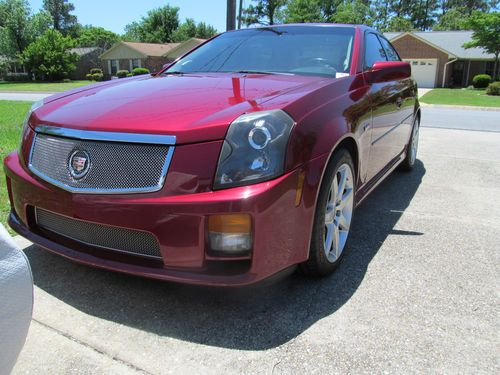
11,118
41,86
466,97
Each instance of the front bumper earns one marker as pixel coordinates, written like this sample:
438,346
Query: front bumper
281,227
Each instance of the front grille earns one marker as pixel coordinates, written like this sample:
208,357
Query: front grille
99,235
112,167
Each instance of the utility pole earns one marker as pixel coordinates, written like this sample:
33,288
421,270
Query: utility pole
231,15
240,10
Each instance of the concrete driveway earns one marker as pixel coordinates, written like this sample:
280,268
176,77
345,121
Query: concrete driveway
417,292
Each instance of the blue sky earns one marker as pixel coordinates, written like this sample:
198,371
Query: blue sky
115,14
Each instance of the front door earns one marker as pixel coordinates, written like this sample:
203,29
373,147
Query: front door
392,104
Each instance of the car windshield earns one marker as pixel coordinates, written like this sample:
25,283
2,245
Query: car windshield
315,50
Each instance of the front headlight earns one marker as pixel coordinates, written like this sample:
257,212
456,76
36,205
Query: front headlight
33,108
254,149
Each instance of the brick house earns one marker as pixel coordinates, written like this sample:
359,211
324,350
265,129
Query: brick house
130,55
89,58
438,59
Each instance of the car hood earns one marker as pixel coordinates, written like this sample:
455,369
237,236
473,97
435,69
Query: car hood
192,107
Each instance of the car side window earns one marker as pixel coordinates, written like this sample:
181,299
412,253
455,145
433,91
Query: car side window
391,53
373,50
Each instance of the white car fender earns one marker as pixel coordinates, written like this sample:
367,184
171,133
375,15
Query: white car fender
16,300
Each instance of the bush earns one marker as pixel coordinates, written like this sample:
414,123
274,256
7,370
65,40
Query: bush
122,73
140,71
97,77
493,89
17,77
49,56
95,71
481,81
129,75
89,77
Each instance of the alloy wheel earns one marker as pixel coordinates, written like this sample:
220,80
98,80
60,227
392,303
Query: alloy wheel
338,213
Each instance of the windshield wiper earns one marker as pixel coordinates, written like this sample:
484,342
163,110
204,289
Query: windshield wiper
175,72
261,72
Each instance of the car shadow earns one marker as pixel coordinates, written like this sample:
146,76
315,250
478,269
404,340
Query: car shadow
254,318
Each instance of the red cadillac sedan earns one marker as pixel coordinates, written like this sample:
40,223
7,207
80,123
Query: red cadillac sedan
244,158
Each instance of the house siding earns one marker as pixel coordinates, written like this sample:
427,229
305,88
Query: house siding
410,47
153,63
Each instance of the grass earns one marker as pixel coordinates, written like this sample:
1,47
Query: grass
41,86
465,97
11,118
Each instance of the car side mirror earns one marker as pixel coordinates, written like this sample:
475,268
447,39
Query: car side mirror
383,71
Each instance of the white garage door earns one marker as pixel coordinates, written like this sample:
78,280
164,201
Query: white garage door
424,71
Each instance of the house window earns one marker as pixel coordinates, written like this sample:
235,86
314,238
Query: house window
113,67
488,67
134,63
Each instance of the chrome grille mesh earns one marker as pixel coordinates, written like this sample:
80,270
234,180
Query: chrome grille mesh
114,166
104,236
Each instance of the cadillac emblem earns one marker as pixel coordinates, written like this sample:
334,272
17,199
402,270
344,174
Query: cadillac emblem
79,164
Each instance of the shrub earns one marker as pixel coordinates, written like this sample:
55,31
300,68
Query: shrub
121,73
95,71
481,81
17,77
493,89
97,77
129,75
89,77
139,71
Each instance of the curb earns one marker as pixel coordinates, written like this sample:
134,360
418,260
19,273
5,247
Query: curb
446,106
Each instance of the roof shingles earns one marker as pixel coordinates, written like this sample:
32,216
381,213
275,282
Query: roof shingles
450,41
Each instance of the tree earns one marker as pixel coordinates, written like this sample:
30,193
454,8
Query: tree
453,19
92,36
400,24
189,29
18,27
354,12
263,12
486,31
62,20
157,27
14,16
298,11
422,13
49,56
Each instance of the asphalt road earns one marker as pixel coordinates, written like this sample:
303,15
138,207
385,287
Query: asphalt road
459,118
23,96
417,292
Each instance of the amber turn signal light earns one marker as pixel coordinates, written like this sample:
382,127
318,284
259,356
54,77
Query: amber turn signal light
230,233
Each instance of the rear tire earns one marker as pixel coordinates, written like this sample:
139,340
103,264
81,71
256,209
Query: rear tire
333,216
412,148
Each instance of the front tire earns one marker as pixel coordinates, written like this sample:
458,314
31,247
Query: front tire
333,217
412,148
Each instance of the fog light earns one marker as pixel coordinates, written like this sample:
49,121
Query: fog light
230,233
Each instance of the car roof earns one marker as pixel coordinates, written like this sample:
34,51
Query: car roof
355,26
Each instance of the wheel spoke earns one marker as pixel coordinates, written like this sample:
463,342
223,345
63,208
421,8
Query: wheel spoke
336,242
329,237
342,182
343,222
329,215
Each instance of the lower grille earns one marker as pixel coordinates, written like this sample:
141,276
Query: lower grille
104,236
